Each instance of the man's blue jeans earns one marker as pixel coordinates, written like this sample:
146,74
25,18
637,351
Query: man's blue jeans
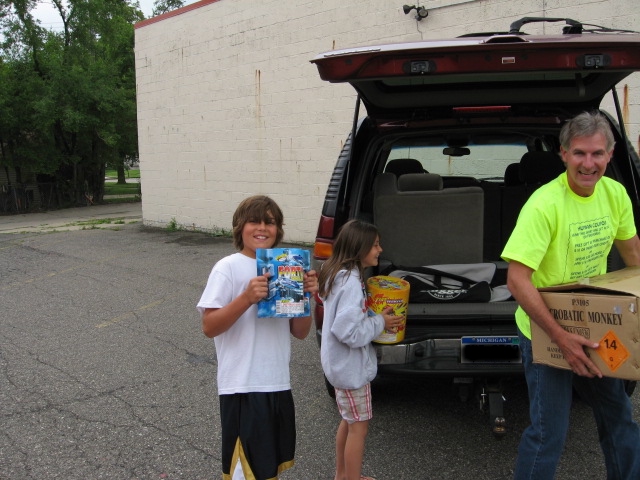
550,396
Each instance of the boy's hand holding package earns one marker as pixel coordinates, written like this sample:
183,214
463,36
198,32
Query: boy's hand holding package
257,289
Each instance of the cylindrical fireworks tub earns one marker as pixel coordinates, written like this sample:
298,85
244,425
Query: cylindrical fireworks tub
383,292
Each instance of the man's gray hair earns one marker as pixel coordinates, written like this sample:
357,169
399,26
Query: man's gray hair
586,124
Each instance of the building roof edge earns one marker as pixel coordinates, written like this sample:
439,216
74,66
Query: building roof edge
174,13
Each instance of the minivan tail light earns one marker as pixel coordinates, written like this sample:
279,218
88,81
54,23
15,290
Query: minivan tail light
325,227
322,249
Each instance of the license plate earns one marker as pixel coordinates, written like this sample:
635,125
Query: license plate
490,349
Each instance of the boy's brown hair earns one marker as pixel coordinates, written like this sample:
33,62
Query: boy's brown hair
258,208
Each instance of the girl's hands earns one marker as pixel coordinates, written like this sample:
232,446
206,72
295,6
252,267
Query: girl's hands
391,321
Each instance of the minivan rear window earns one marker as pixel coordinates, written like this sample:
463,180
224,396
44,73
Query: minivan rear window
484,162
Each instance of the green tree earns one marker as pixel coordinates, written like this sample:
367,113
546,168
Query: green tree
164,6
69,95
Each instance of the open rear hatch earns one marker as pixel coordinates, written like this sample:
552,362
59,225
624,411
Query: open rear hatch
567,71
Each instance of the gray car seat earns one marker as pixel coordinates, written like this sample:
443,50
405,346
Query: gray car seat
420,223
535,169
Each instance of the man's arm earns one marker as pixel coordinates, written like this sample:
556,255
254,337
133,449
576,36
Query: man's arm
571,345
629,250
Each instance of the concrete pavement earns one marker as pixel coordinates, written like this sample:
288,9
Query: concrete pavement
77,218
105,372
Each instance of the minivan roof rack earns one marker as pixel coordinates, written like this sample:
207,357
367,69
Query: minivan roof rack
572,26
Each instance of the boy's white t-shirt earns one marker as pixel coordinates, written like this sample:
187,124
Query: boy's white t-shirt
253,355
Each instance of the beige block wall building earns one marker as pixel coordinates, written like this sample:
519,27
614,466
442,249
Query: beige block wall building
229,105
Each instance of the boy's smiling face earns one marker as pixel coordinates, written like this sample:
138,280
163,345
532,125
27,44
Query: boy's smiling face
258,234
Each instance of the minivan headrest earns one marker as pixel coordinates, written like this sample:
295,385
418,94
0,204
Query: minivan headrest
419,182
401,166
540,167
385,184
512,175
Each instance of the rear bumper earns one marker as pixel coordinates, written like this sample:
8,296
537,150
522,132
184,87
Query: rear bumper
435,357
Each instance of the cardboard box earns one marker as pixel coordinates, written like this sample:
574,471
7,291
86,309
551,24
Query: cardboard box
603,309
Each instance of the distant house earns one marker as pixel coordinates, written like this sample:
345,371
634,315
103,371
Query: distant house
229,105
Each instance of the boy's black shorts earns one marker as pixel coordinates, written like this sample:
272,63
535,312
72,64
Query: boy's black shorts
260,430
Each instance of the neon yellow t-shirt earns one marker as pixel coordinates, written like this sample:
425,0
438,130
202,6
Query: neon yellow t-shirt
564,237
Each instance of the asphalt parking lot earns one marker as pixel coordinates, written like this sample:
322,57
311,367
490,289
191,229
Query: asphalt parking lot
104,373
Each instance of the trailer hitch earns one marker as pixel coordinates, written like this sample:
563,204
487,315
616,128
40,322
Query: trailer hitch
491,395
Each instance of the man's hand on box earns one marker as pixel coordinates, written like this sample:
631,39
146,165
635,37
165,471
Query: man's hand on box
573,348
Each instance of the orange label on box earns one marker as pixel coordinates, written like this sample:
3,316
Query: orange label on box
612,351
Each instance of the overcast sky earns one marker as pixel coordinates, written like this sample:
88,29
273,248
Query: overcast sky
50,18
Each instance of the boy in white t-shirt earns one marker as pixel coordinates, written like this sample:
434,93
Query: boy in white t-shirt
256,405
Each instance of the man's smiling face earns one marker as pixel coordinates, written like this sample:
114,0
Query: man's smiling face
586,161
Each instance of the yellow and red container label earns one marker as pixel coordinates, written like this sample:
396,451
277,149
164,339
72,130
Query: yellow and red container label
383,292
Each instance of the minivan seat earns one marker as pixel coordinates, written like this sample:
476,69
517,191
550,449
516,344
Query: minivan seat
401,166
414,182
512,175
535,169
538,168
454,181
427,225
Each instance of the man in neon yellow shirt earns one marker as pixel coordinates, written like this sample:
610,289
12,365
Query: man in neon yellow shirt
564,233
